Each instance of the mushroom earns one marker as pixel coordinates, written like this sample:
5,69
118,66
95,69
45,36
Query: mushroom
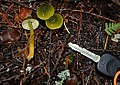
45,11
30,24
54,22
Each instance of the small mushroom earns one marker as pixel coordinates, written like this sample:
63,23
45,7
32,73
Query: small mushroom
30,24
33,22
54,22
45,11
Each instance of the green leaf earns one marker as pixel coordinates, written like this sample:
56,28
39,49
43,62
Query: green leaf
110,28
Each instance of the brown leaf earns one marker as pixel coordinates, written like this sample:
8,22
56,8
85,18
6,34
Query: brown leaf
24,13
10,36
73,80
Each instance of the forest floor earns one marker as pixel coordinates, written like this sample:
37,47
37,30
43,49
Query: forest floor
85,23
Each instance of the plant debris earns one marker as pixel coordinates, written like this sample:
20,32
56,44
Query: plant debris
84,24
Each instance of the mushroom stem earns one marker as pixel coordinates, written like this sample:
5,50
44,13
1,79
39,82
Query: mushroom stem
31,42
30,24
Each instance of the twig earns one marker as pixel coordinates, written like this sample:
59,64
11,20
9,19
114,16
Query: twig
105,82
90,10
66,28
116,77
83,76
106,41
24,74
49,56
103,17
96,80
97,15
5,19
59,56
8,79
26,35
67,61
19,3
72,17
92,68
79,27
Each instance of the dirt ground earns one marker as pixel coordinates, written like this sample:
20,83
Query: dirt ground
85,21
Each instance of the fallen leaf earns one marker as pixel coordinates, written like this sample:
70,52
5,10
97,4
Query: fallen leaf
24,13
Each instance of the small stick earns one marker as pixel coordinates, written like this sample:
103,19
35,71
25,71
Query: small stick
96,80
106,41
92,14
105,82
83,76
5,19
49,58
67,61
116,77
101,17
19,3
92,68
26,35
90,10
11,6
59,56
66,28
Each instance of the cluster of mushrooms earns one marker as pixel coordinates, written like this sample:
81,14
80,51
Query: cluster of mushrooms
53,21
45,12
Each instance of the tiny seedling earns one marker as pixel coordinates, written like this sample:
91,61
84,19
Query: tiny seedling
54,22
30,24
45,11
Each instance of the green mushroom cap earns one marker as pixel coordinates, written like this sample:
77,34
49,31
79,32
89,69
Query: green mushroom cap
54,22
45,11
34,23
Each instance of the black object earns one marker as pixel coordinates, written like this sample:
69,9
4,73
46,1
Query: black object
108,65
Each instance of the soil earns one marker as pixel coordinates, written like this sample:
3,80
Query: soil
85,21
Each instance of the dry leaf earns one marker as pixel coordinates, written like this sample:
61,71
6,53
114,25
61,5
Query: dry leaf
24,13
